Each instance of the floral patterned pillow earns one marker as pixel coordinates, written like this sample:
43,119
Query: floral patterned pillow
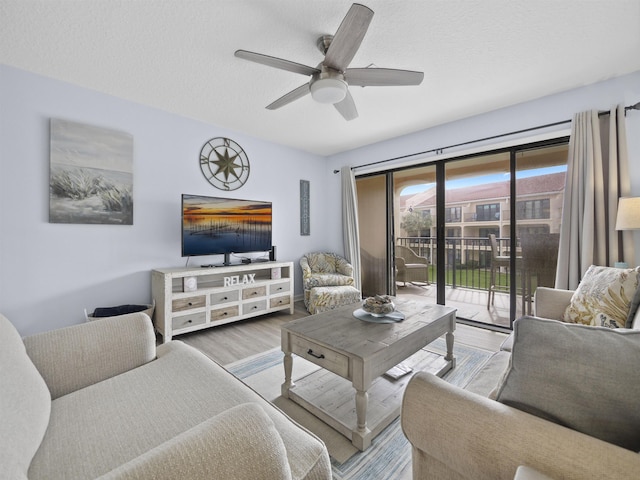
604,297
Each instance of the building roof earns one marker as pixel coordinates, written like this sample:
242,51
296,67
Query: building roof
538,185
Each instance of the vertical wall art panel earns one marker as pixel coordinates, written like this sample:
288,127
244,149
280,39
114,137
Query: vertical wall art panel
305,215
91,174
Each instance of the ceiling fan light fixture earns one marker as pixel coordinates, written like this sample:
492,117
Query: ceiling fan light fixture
329,90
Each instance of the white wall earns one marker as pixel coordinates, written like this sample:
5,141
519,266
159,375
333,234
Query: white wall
49,273
546,110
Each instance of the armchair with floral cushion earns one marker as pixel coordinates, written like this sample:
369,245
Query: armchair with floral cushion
328,282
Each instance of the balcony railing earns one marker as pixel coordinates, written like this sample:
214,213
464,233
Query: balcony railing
467,260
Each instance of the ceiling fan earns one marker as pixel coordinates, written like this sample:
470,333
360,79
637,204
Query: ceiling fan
331,78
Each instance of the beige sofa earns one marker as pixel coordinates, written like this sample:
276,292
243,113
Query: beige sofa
99,400
460,433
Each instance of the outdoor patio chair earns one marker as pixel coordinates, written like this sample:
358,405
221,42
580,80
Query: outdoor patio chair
410,267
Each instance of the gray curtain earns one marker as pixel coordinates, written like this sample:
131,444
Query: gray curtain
350,235
597,175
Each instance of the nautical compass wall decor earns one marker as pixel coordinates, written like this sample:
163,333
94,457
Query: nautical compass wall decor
224,163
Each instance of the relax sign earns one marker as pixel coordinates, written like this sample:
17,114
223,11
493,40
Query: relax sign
240,280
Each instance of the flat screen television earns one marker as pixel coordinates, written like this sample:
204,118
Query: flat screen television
222,226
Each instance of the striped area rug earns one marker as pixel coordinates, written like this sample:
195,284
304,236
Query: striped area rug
389,456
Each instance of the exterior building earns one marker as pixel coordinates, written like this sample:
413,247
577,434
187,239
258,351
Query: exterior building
473,213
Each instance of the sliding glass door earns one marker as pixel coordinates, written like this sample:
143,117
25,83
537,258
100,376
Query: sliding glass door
477,237
540,180
415,260
478,233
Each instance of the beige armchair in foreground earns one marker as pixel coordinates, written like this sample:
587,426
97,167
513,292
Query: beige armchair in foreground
582,376
410,267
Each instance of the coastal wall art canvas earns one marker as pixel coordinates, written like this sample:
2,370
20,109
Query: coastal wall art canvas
91,174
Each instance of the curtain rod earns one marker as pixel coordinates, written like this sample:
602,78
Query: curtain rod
441,149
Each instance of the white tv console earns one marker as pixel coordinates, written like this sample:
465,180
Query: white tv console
190,299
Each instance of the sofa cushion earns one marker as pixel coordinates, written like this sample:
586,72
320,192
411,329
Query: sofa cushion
606,297
96,429
582,377
486,381
322,299
242,443
25,405
328,279
321,262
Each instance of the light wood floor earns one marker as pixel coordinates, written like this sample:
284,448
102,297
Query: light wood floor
235,341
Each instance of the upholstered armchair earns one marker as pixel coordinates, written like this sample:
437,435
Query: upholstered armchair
328,282
526,404
410,267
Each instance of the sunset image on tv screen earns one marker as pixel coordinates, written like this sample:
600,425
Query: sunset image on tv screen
212,225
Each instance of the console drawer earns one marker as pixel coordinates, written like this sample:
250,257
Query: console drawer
254,292
281,287
322,356
276,302
181,304
186,321
224,297
224,313
253,307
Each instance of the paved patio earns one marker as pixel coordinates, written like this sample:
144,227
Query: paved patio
471,304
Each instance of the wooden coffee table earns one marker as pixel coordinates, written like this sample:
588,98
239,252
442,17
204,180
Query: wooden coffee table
354,354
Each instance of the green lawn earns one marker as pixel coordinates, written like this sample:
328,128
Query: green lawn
470,278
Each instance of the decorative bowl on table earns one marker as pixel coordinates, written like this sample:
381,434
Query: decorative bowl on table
378,306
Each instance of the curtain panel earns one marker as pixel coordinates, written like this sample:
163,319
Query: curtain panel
597,175
350,233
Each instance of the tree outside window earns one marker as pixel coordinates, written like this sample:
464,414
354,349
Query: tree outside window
416,223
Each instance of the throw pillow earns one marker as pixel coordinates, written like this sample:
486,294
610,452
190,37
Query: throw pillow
633,310
584,378
605,297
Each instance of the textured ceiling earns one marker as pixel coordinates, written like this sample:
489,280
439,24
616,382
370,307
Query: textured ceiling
177,55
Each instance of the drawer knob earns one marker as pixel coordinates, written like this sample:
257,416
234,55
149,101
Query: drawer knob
189,321
190,303
310,352
224,313
225,298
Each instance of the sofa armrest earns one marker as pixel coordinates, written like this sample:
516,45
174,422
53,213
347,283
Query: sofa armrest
75,357
551,302
463,435
241,443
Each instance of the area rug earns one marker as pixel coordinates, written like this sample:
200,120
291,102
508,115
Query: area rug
389,456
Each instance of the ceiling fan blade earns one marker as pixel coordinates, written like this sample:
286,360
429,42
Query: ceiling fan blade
276,62
348,37
295,94
347,107
382,77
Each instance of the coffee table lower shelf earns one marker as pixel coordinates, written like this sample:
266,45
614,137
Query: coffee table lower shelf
331,398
